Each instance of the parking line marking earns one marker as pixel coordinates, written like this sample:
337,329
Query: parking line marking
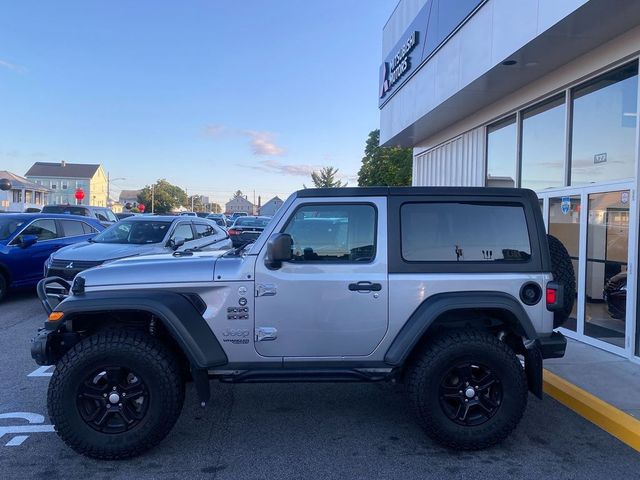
612,420
16,441
42,371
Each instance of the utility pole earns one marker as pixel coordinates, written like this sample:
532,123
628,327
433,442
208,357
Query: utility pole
153,196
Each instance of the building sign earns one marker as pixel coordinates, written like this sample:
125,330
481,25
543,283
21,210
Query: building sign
391,72
436,21
599,158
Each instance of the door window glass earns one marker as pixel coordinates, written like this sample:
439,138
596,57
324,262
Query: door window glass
603,137
463,232
501,153
204,230
44,229
564,224
543,145
333,233
101,216
88,228
183,231
72,228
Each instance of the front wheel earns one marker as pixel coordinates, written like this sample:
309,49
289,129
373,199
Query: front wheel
115,394
468,390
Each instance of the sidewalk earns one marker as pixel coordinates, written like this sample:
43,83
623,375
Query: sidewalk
613,379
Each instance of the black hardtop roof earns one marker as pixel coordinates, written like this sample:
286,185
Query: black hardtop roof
414,191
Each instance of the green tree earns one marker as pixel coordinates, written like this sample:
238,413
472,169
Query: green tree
384,166
166,197
215,208
326,178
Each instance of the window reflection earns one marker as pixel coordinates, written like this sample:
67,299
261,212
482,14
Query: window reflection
564,224
501,153
607,258
543,145
604,127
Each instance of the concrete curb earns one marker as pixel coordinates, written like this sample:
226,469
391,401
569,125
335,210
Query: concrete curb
619,424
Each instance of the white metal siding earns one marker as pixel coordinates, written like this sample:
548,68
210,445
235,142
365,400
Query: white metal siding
459,162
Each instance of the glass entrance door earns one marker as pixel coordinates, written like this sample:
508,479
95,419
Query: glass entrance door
607,263
594,224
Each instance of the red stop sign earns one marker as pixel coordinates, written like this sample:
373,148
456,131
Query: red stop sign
79,194
141,207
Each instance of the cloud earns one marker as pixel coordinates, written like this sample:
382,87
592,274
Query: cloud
273,166
13,67
262,143
214,130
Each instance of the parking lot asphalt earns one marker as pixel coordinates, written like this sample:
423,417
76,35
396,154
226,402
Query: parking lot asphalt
290,431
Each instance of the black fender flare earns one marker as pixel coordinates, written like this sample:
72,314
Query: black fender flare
176,312
436,305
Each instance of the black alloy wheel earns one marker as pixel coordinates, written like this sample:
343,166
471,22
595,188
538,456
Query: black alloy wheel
470,394
115,394
467,388
112,400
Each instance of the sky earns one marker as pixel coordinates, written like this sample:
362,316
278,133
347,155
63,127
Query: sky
214,95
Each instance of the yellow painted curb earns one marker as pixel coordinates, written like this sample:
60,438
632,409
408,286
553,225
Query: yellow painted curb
619,424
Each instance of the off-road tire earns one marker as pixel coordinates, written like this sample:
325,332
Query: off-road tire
157,368
432,364
563,273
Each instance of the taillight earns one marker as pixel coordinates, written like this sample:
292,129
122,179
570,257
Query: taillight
233,232
552,296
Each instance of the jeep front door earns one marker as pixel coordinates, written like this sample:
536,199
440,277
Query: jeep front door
331,298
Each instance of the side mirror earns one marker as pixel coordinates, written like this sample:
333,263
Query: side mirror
176,243
278,250
28,240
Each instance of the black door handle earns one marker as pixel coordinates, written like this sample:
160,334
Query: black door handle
365,287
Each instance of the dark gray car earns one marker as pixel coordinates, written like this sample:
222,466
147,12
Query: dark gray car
135,236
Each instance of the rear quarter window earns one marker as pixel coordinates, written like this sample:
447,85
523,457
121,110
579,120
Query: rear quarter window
464,232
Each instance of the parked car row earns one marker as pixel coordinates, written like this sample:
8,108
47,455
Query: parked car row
64,240
33,245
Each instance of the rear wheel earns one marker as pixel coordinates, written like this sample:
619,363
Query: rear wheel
115,394
468,390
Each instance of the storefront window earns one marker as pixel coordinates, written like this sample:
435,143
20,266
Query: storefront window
543,145
501,153
604,127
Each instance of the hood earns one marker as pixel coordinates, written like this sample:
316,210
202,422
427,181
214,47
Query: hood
153,269
104,251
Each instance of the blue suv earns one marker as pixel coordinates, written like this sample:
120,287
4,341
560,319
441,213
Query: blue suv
27,240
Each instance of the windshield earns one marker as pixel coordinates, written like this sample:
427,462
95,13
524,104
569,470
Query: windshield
134,232
251,222
9,225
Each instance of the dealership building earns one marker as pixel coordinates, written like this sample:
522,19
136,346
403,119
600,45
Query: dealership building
541,94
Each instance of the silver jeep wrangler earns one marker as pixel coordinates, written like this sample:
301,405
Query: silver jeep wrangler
453,291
